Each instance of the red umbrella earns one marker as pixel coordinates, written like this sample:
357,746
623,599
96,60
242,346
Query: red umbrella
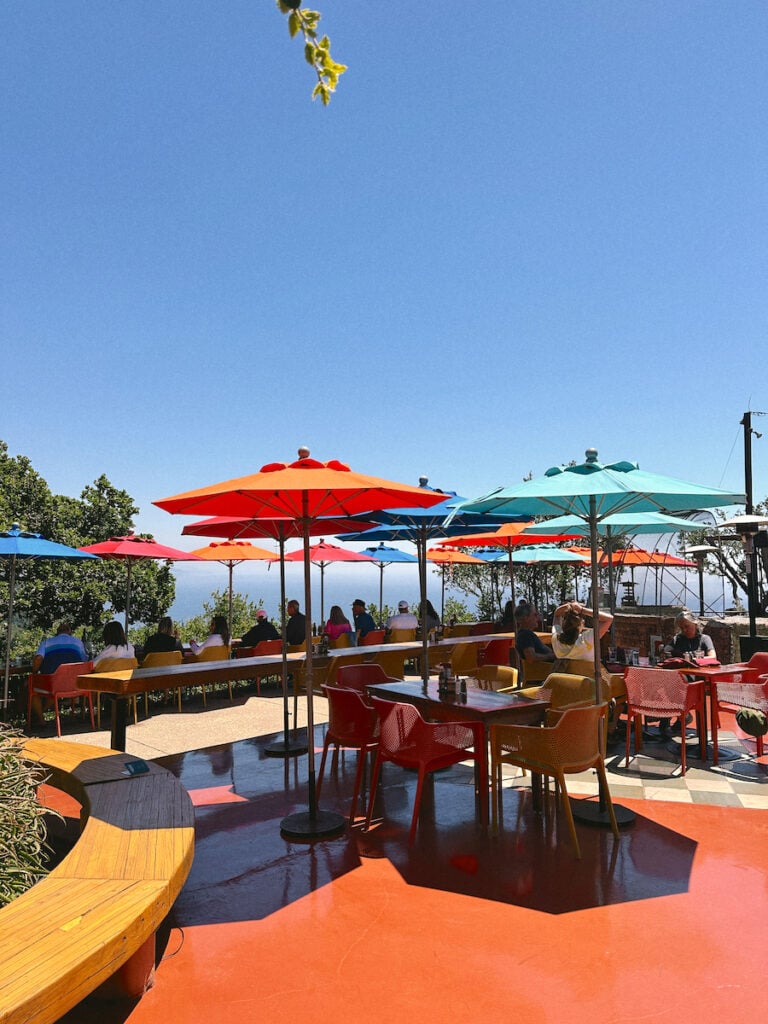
323,554
232,553
132,548
305,491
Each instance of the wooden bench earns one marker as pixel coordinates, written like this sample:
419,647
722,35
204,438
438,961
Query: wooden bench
92,921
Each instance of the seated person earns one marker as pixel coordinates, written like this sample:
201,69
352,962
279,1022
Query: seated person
217,637
432,618
690,640
337,624
296,627
506,623
571,640
164,640
117,645
529,646
263,630
62,649
364,623
404,619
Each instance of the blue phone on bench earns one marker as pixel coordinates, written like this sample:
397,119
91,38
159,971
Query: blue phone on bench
136,767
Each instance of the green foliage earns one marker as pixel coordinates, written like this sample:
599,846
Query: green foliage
457,611
728,560
86,594
22,819
317,52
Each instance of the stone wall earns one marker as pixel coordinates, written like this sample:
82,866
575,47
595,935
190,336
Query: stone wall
635,630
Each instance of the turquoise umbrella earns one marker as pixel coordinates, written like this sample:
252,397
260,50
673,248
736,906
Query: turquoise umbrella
592,491
629,522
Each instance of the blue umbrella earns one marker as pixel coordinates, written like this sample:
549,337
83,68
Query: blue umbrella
385,556
17,543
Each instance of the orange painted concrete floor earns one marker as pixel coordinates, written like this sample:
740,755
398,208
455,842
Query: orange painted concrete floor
666,924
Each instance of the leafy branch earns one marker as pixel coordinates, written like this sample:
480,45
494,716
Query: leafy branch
317,52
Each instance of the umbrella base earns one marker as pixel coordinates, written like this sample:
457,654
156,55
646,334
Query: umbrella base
287,747
589,812
306,825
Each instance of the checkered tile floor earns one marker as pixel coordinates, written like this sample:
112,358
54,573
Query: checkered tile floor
738,781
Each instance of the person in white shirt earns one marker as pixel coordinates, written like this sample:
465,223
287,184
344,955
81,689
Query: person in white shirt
117,644
218,636
404,619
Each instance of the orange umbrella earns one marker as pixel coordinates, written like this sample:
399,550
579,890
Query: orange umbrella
323,554
304,490
232,553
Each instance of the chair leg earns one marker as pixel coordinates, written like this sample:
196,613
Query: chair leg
372,798
416,806
89,698
495,794
178,697
361,756
56,713
569,814
603,776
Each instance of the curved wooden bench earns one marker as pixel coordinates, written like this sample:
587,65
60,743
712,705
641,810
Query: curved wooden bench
93,918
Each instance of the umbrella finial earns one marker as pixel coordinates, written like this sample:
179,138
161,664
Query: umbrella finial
591,454
303,451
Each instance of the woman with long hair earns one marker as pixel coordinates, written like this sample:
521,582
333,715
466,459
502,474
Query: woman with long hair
218,635
117,645
337,623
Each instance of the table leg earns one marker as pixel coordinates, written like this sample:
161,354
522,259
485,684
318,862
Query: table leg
119,721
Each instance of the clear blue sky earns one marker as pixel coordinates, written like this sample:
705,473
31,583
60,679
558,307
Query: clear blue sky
519,230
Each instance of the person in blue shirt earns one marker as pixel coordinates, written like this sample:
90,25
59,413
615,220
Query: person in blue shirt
363,620
62,649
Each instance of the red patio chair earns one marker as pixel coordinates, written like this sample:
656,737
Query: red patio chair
495,653
663,693
359,676
263,648
351,723
734,695
408,741
376,636
60,685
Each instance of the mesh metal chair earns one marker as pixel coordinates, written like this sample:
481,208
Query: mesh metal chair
407,740
351,723
572,745
663,693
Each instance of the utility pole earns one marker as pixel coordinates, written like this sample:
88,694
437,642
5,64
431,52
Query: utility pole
750,557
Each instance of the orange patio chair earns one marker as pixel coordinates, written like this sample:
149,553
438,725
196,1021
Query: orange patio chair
406,740
375,637
264,648
60,685
572,745
157,659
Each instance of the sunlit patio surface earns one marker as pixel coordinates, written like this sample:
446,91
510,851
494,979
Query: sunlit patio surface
665,924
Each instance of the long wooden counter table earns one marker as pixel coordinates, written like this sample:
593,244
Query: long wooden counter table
120,686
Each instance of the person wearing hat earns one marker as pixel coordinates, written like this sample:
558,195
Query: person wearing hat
363,620
263,630
404,619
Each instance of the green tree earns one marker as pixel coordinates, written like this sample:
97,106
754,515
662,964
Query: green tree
728,558
85,593
243,615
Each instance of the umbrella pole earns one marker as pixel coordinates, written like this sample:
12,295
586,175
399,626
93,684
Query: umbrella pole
381,595
313,823
421,551
289,746
128,597
231,566
11,589
587,811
